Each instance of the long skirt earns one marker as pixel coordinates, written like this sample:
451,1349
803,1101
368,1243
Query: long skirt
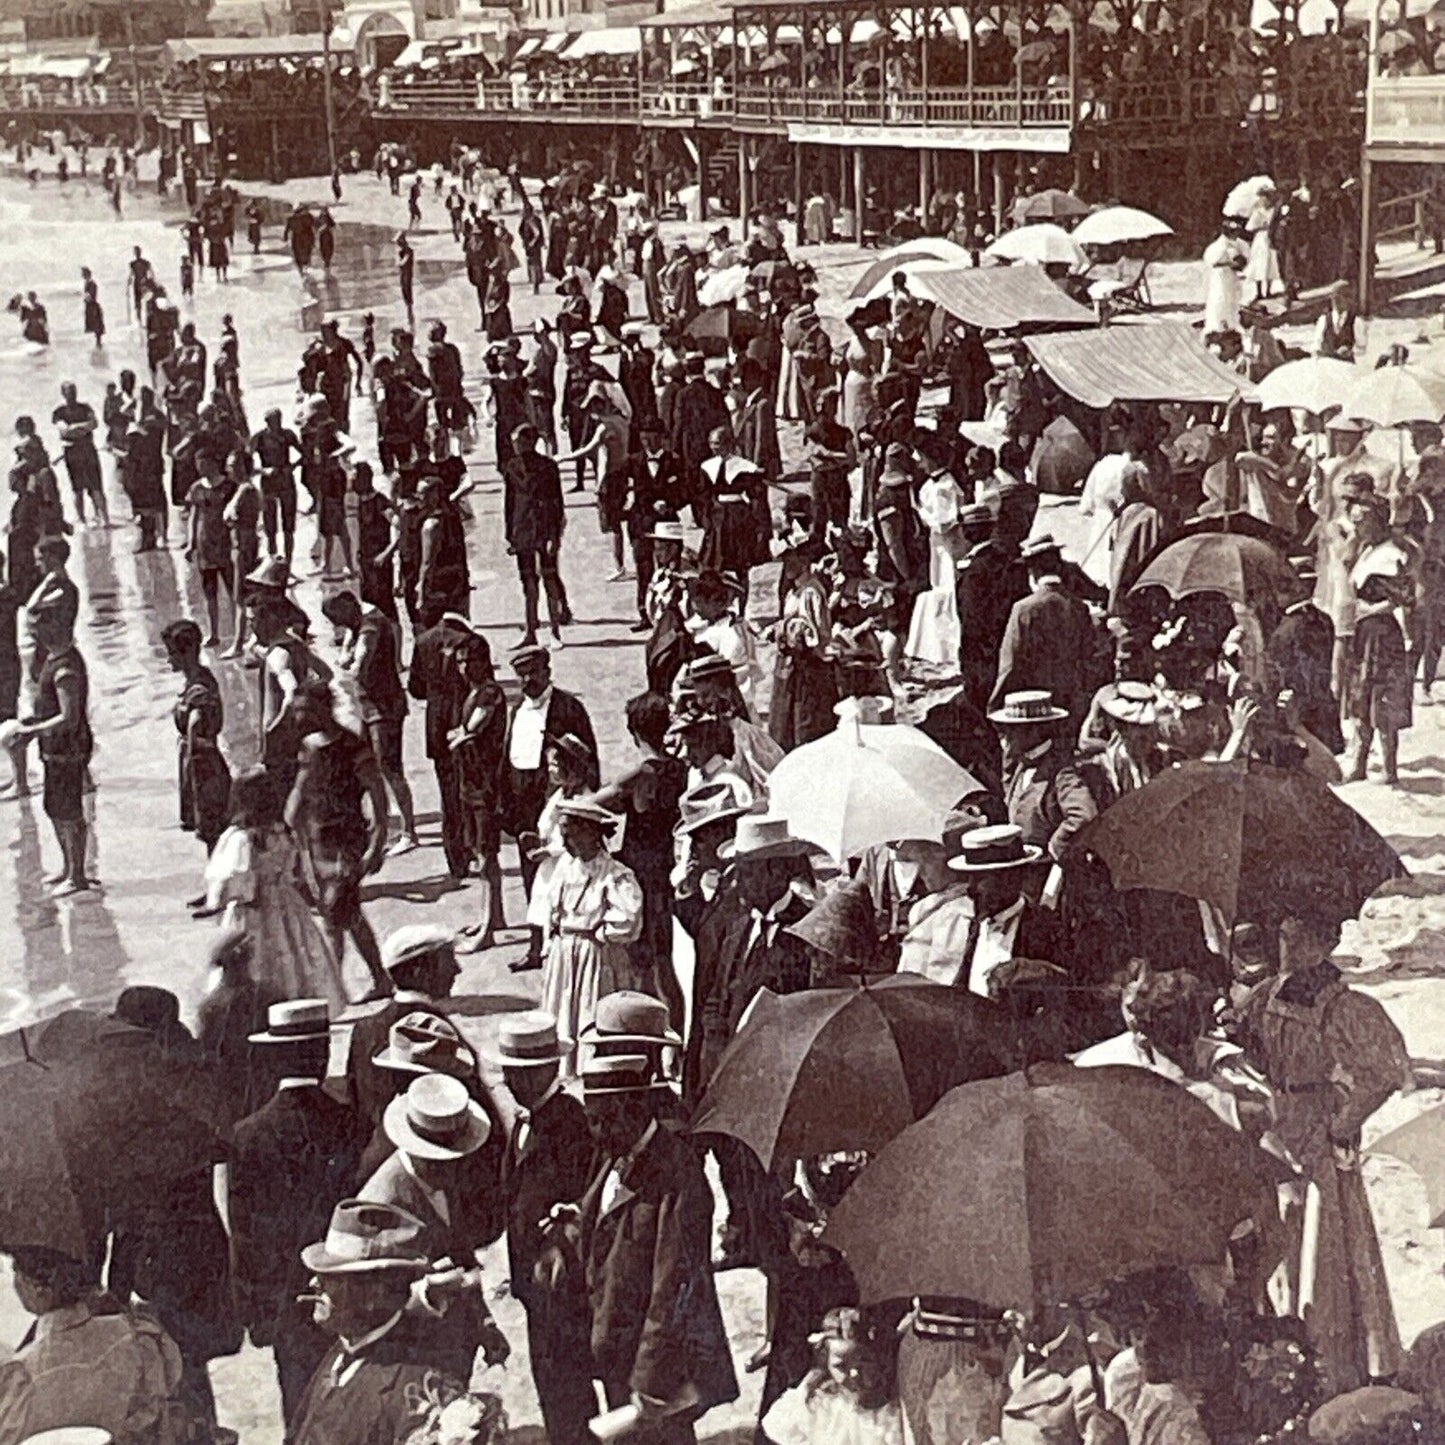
948,1391
730,543
805,691
578,971
1379,692
792,404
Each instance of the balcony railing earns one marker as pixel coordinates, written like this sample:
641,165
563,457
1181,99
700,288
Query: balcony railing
1000,106
26,95
587,98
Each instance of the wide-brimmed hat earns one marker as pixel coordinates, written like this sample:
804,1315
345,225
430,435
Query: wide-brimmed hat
764,835
1341,422
528,1040
425,1043
1040,1408
70,1435
414,941
723,797
363,1237
1043,546
897,465
1000,845
619,1074
436,1119
630,1017
294,1021
709,664
1361,1417
585,810
1035,705
975,514
843,925
1132,702
580,340
872,709
528,654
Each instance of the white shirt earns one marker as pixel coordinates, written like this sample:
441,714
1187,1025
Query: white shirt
612,1185
994,945
529,728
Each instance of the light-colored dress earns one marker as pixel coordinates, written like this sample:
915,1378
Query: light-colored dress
251,876
1221,296
933,635
830,1417
1263,268
549,830
595,911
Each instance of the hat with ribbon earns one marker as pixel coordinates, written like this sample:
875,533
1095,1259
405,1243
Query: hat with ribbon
630,1017
985,850
425,1043
619,1074
722,798
761,836
413,941
528,1041
363,1237
1132,702
584,810
436,1119
1035,705
294,1021
529,655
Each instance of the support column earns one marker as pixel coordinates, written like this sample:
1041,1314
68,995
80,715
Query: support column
743,186
800,199
997,193
858,193
924,186
1367,235
842,178
702,174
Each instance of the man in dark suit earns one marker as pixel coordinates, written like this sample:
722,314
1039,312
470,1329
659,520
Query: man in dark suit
436,679
1299,658
700,410
984,599
420,960
644,1236
1050,641
634,373
533,515
543,713
290,1163
380,1381
1046,796
547,1163
658,491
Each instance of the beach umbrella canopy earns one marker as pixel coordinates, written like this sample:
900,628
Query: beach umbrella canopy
1011,1191
1062,458
720,287
1050,205
837,1069
865,784
1315,384
925,248
769,273
1420,1145
715,328
1255,842
1041,244
1119,225
1245,196
920,266
1246,570
1396,396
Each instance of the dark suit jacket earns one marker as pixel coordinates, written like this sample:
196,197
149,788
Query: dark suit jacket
701,409
1049,799
1299,655
757,433
436,679
291,1162
532,505
984,599
1049,643
668,488
553,1167
384,1399
656,1325
527,789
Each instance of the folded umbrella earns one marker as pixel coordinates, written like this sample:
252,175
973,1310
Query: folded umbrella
1253,841
1041,244
1030,1190
831,1069
1118,226
1314,384
1246,570
864,784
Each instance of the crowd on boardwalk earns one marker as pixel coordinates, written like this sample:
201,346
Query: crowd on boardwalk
1011,1030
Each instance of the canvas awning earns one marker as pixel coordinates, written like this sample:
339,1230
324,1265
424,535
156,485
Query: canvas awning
258,47
709,12
529,46
555,43
1153,361
610,40
999,298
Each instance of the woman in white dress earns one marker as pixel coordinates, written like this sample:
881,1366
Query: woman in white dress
934,635
595,911
1224,259
1262,269
568,764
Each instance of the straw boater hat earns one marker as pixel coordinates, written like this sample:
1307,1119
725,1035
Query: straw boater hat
295,1021
364,1237
1036,705
71,1435
630,1017
586,811
1039,547
436,1119
424,1043
761,836
872,710
619,1074
579,341
415,940
528,1041
986,850
1041,1409
723,797
842,924
632,330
